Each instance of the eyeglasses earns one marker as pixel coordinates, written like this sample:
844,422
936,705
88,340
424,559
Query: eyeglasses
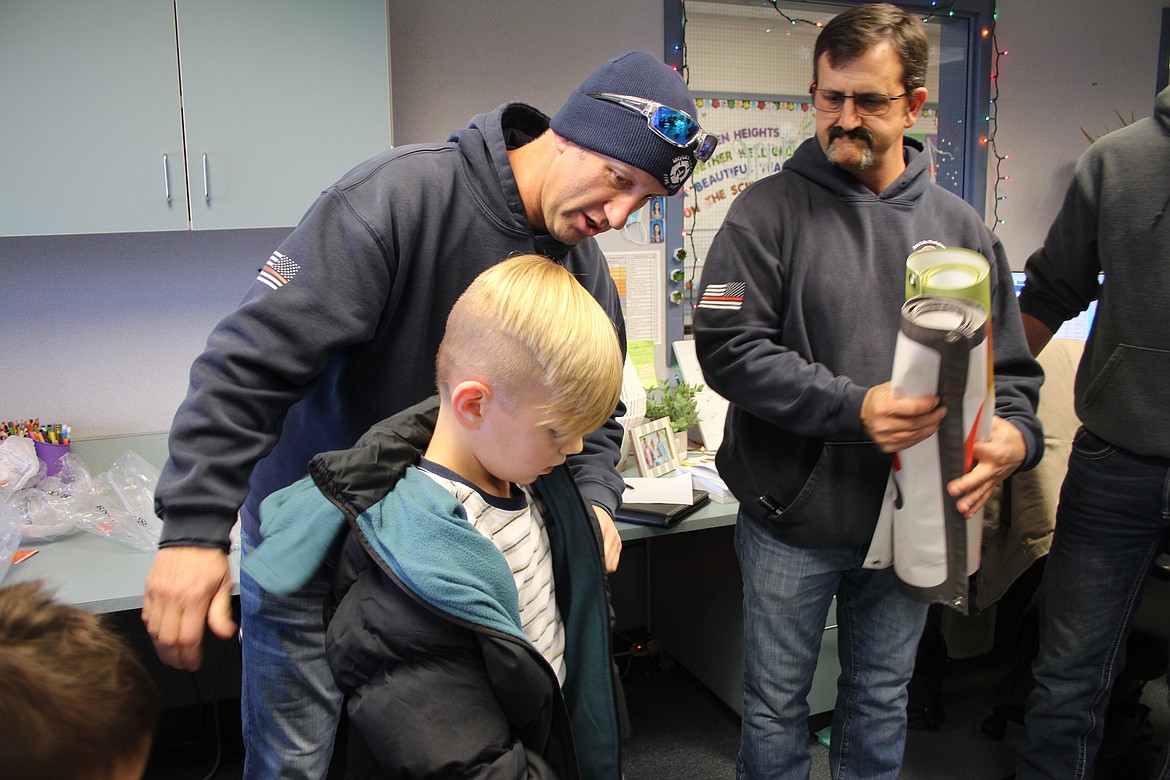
866,103
669,124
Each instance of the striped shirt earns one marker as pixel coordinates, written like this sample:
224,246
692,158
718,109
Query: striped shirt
515,527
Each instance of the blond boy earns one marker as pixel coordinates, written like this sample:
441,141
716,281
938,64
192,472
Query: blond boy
469,627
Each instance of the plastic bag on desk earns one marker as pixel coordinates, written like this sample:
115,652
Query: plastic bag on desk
36,504
134,480
9,536
19,463
39,514
118,504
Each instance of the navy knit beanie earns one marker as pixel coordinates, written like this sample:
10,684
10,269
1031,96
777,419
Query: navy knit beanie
621,133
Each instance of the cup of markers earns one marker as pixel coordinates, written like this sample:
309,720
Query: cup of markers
51,441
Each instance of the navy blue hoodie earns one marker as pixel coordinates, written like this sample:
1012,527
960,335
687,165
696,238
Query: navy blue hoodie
372,270
822,261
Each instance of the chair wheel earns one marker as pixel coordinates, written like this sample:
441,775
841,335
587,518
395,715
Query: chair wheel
994,726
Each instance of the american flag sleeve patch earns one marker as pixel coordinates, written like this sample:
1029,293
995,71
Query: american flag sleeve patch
723,296
278,271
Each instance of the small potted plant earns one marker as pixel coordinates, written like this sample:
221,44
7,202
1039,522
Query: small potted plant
677,402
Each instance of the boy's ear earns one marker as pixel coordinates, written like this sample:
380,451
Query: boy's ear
470,400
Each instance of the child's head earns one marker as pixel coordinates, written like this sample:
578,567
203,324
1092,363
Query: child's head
75,702
539,343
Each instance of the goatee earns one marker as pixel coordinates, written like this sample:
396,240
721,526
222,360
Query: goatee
858,134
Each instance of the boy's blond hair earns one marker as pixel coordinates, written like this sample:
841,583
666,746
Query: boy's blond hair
75,702
528,328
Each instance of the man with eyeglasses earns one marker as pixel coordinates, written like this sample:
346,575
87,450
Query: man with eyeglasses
798,334
340,331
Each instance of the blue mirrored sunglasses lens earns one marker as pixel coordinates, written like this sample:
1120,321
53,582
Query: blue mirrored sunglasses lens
706,148
675,125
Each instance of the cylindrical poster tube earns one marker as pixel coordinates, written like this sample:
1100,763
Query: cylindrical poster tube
941,349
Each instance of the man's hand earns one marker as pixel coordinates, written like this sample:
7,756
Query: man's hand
185,587
611,542
898,423
996,459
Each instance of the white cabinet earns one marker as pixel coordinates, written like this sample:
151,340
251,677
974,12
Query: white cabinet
131,115
89,106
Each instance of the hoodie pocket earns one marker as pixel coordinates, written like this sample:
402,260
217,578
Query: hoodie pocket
841,497
1127,381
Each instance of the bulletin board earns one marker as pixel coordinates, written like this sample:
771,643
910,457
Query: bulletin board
756,137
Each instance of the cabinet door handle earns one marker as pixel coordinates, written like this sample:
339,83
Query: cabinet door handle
166,179
206,192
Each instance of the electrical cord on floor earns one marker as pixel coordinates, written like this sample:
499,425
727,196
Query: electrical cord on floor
191,735
215,690
215,699
644,648
215,720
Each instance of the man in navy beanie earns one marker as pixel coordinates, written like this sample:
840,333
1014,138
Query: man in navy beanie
608,114
340,330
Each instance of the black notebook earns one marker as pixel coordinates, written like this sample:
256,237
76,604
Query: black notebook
661,515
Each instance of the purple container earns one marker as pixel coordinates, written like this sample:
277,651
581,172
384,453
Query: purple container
51,454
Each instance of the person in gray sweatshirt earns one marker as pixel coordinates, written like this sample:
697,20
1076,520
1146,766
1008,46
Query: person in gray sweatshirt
798,317
1114,509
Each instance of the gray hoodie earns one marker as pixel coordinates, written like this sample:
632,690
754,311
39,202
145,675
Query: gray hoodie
1116,219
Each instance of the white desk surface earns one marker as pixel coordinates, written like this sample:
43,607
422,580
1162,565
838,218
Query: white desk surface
91,572
99,575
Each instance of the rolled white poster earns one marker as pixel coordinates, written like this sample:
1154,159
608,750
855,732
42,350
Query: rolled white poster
941,350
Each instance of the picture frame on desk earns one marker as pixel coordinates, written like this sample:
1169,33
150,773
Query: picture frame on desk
653,446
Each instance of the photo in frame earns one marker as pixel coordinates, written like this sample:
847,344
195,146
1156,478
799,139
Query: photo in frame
653,446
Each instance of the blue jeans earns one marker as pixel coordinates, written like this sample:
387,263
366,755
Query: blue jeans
290,704
787,591
1110,524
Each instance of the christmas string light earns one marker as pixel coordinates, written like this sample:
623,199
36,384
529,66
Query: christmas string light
992,119
791,20
689,232
947,9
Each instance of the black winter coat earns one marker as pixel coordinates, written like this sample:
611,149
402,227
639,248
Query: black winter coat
436,684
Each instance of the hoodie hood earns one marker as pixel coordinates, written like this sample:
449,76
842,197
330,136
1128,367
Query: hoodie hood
810,162
485,143
1162,110
1162,117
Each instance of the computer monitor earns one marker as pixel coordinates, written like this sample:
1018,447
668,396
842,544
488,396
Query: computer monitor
1078,327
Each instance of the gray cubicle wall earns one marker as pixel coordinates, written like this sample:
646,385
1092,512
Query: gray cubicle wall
694,580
